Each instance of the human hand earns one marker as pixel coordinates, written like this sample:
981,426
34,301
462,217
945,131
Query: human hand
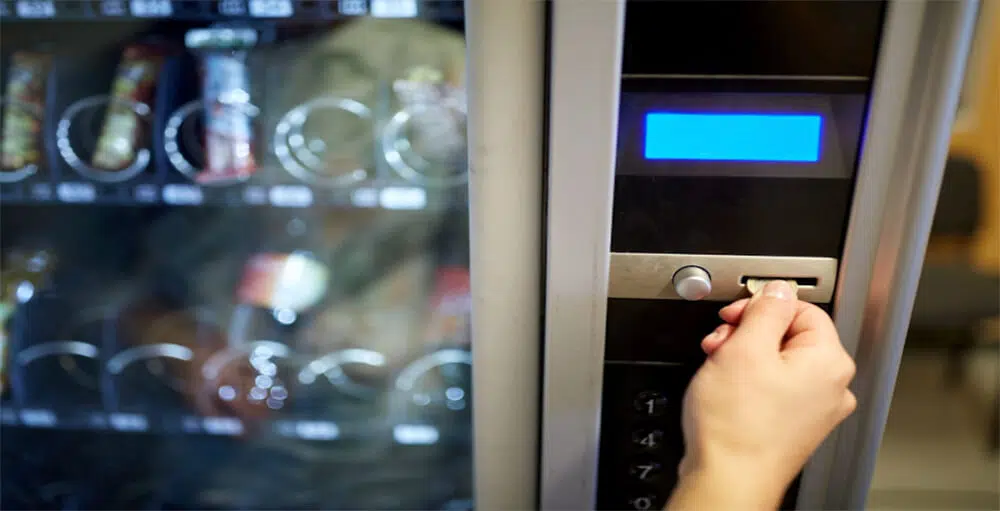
773,387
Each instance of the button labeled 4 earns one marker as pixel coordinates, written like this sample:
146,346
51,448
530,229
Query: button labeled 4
648,439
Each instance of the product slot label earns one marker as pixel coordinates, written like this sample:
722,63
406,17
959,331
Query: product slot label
270,8
182,195
151,8
113,8
353,7
35,9
291,196
233,7
76,192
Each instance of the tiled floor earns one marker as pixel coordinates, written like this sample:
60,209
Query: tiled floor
934,453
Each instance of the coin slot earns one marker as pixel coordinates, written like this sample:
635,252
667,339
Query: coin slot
800,281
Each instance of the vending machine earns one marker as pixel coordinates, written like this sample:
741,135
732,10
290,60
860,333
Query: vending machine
434,254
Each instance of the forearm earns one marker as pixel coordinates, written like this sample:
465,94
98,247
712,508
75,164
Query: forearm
726,488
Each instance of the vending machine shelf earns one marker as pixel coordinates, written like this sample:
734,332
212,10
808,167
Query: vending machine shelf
224,10
413,434
388,197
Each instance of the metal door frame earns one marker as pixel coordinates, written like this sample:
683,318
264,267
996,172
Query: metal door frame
585,55
919,75
505,61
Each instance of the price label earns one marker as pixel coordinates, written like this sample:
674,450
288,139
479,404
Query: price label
415,434
41,192
317,430
38,418
114,8
270,8
35,9
364,198
146,194
353,7
291,196
226,426
128,422
182,195
403,198
8,416
151,8
233,7
97,420
76,192
190,425
255,195
394,8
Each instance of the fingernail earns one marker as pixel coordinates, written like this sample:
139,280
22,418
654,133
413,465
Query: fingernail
715,334
779,289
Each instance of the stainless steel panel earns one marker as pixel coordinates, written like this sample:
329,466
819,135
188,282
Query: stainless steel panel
649,276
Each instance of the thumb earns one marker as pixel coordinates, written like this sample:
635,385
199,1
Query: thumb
767,317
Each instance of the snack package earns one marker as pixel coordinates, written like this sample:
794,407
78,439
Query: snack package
22,272
283,281
451,307
25,104
134,84
228,111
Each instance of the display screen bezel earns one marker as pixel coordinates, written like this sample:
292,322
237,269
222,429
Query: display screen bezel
842,126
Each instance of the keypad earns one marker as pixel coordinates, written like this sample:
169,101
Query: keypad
641,440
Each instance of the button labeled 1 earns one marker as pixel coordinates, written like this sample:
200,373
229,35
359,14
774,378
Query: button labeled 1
650,403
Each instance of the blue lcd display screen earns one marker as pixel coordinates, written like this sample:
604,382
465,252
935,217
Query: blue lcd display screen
733,137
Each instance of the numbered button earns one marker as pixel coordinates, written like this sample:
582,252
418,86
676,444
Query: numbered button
645,471
651,403
648,439
644,502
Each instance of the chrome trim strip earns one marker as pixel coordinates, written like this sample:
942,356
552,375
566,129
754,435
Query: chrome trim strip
45,349
505,61
122,359
585,67
811,78
919,74
649,276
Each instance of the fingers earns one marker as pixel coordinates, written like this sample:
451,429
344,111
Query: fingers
766,318
848,405
712,341
733,312
813,320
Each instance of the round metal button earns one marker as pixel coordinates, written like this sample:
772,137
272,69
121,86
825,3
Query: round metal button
692,283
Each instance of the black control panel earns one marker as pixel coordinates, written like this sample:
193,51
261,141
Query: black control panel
735,204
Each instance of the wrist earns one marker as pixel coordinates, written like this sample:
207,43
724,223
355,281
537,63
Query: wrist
727,485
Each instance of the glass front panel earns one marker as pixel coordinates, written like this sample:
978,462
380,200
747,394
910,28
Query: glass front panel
235,268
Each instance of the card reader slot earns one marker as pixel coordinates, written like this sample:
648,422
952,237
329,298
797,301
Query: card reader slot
801,281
